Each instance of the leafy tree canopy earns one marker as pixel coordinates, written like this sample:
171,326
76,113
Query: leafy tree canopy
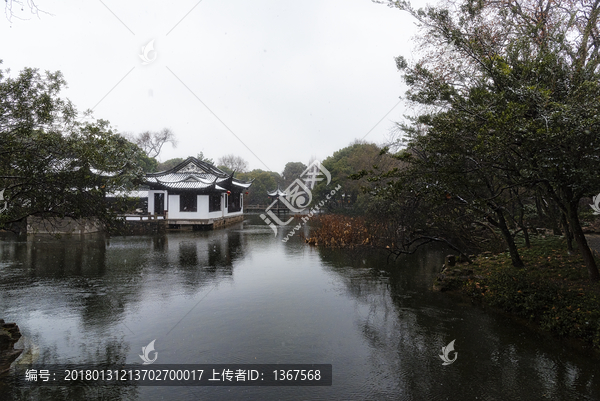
52,165
508,99
264,181
203,158
169,164
291,171
343,164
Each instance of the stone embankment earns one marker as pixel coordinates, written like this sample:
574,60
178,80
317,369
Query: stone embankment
9,335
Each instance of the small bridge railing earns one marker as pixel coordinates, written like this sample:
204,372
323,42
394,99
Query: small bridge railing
261,208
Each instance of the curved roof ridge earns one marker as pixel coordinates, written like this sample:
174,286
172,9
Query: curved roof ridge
206,168
193,169
277,192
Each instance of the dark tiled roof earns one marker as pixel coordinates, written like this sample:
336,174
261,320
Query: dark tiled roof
195,174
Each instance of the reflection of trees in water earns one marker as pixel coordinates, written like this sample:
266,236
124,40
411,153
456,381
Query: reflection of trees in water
405,325
68,273
50,257
110,352
109,393
99,279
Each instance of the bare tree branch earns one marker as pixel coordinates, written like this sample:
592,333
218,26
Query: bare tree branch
233,163
152,142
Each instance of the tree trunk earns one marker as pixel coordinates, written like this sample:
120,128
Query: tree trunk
508,238
538,206
526,234
568,234
586,253
550,210
522,224
555,219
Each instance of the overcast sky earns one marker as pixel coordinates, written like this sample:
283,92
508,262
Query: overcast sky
271,81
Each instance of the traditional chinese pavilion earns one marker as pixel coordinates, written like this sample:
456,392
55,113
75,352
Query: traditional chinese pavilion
276,194
196,193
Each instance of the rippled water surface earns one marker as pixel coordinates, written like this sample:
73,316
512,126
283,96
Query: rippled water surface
240,295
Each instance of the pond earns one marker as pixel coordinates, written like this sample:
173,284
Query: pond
242,296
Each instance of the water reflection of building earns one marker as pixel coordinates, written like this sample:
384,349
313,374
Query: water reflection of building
98,280
216,251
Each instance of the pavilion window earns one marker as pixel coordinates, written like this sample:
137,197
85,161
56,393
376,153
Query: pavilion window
214,202
234,204
188,202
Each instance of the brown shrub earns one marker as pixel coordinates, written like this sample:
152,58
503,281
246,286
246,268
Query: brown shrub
338,231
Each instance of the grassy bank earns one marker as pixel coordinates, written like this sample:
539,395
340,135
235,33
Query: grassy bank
552,290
